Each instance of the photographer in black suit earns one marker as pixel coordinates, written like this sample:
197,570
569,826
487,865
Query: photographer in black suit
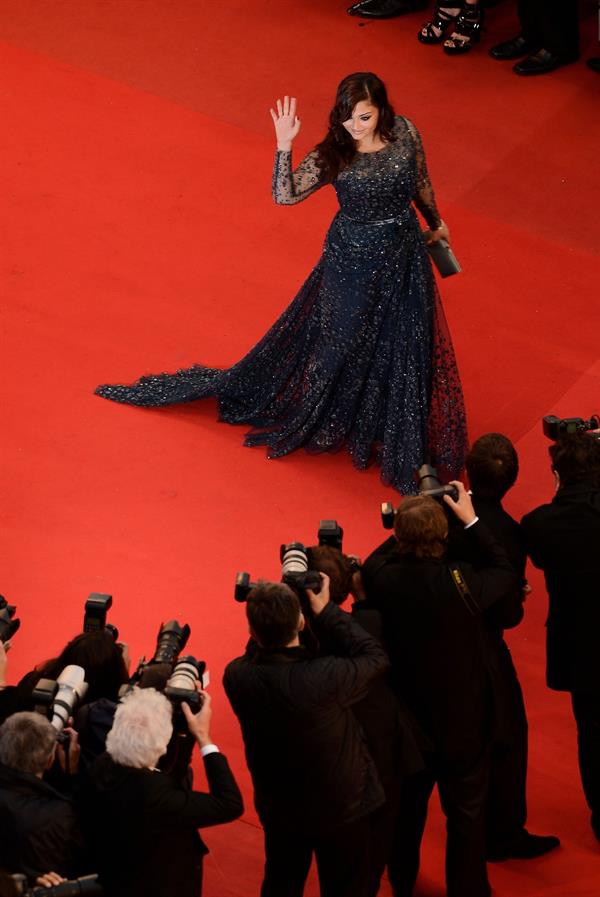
563,540
315,783
40,826
394,738
492,467
434,631
143,822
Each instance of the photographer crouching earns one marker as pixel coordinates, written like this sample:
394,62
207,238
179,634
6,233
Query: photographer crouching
143,822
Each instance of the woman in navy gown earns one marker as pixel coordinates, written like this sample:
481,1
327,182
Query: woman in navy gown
362,358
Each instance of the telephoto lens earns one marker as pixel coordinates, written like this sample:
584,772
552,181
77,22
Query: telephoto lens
71,689
172,639
181,685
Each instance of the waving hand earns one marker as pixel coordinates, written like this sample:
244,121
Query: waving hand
287,123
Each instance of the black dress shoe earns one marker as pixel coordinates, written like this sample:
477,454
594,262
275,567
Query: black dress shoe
542,62
594,64
524,847
512,49
385,9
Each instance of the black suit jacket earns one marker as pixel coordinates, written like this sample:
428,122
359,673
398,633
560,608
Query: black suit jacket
40,829
563,540
508,611
305,750
436,645
143,826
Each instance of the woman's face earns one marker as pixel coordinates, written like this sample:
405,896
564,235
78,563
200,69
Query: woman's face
363,122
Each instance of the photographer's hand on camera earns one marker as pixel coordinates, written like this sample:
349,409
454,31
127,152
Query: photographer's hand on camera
50,879
68,753
463,508
319,600
199,723
357,586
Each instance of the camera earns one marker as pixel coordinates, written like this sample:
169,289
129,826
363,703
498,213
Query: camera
170,642
555,427
184,673
8,623
88,884
57,699
181,686
94,617
294,564
294,569
429,484
330,533
294,573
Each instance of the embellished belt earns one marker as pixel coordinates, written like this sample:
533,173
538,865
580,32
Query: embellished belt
396,219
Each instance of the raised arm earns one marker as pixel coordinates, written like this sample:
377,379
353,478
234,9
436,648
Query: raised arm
290,187
424,197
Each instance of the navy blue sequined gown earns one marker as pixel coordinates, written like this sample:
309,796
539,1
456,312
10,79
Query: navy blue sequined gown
362,358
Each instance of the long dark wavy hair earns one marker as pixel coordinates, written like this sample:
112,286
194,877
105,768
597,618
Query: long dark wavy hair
337,150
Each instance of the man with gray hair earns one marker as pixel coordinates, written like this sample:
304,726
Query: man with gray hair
143,821
40,827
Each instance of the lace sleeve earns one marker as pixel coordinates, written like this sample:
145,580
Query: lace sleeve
290,187
424,198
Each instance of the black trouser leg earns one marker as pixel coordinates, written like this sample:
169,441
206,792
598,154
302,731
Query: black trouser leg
531,26
343,860
506,809
382,825
551,24
403,864
287,861
463,796
586,708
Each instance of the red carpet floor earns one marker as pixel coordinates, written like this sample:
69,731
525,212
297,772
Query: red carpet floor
139,235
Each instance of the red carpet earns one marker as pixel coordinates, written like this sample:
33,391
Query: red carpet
139,235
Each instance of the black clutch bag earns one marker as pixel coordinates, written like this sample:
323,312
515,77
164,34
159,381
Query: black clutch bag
442,256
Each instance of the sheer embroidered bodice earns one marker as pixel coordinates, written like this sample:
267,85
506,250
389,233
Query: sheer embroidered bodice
361,358
376,186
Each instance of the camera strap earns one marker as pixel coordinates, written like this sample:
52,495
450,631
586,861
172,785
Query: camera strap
463,590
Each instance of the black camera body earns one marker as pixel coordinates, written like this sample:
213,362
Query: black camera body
170,642
330,533
555,427
88,884
294,564
181,687
185,671
8,623
429,484
295,572
94,616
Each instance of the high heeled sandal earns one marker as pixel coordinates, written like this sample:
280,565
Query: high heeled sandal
467,31
433,32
